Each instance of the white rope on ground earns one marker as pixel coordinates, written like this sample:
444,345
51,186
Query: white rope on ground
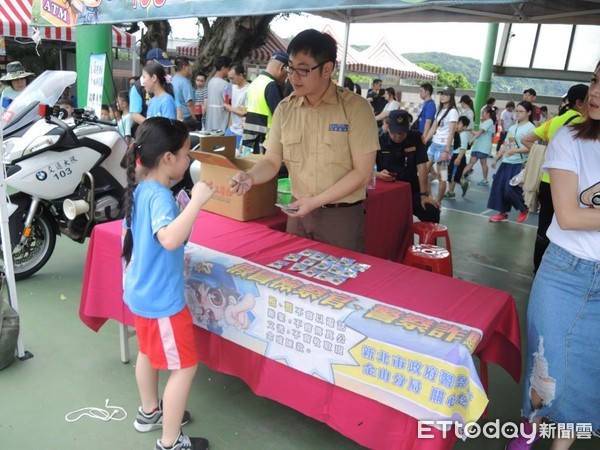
97,413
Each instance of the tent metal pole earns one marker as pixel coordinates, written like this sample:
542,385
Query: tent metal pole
342,71
7,255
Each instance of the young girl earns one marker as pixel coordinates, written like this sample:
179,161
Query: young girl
442,135
562,379
503,195
155,233
468,110
125,122
154,80
459,160
481,144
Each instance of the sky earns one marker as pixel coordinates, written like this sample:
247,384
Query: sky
403,37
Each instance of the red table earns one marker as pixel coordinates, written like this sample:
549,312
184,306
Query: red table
366,421
388,220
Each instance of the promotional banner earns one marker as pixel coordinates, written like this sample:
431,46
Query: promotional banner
418,364
96,82
61,13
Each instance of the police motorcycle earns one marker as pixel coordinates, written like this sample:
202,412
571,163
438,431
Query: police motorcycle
65,175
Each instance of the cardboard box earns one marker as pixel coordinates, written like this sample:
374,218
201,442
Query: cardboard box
219,165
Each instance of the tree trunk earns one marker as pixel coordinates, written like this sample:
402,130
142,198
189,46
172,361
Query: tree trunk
235,37
156,36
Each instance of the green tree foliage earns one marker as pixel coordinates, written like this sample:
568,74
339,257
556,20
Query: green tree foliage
445,78
470,69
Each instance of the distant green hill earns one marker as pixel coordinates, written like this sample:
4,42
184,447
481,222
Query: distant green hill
470,68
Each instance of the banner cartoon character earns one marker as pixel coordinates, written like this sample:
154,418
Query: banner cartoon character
88,10
218,300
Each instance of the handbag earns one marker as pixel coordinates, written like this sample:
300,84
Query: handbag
9,327
519,178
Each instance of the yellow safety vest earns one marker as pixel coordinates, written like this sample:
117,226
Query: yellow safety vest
546,130
258,113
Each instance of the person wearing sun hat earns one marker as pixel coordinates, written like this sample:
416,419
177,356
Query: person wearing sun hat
16,80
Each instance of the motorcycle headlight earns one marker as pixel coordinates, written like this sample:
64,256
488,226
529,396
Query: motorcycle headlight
41,142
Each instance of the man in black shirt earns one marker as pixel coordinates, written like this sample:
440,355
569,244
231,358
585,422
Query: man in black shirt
403,157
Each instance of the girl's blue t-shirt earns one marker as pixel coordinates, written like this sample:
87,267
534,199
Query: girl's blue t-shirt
162,106
483,143
153,282
518,131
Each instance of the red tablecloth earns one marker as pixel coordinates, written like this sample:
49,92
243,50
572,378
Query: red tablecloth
388,220
366,421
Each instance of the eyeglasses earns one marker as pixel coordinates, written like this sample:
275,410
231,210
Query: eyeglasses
301,71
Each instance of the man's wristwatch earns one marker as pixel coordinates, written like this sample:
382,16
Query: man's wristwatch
424,194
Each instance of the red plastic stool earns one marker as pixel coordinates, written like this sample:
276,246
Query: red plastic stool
429,233
429,257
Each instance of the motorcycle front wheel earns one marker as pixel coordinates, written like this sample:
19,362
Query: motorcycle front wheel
34,253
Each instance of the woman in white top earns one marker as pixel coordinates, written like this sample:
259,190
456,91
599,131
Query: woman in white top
562,379
441,134
392,104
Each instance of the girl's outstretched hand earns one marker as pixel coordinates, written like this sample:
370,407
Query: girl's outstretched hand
202,192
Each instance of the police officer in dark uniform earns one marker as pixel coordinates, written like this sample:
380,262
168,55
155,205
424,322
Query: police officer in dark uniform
403,156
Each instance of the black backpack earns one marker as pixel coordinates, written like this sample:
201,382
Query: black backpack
456,143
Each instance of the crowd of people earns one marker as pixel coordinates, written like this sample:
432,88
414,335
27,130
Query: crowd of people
330,138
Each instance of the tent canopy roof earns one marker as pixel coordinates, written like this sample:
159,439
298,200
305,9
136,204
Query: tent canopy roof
373,11
528,11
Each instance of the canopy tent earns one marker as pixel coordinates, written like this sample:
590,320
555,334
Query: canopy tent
373,11
15,18
383,54
259,55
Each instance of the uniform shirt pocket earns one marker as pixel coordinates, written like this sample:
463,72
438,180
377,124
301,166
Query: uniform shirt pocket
292,146
337,147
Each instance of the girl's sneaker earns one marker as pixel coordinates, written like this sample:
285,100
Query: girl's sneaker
499,218
464,185
449,195
483,183
184,443
523,215
150,422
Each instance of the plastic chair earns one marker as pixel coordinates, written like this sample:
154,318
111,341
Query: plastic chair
429,257
429,233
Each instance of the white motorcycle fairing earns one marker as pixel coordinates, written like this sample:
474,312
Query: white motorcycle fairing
53,175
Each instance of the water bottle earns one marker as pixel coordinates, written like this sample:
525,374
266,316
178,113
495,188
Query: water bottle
373,181
444,170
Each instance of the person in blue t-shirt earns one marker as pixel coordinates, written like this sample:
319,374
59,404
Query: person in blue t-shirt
184,92
154,80
155,232
427,114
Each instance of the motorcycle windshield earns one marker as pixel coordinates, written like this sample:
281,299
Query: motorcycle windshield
44,90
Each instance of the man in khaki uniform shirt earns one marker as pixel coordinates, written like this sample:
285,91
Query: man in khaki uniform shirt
327,137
